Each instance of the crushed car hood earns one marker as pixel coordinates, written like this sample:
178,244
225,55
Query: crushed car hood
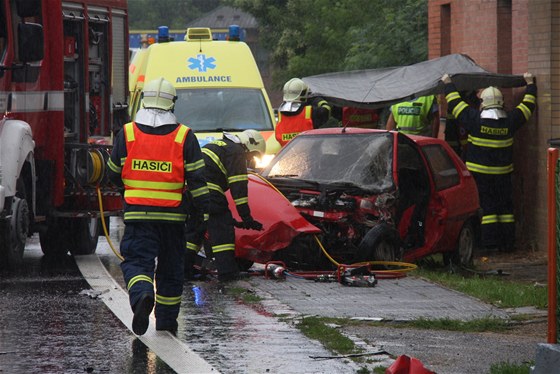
281,221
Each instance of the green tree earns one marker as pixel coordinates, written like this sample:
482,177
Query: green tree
176,14
308,37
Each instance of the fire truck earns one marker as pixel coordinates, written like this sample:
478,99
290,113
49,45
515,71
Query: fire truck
63,93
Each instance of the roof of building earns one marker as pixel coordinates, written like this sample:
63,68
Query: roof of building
223,17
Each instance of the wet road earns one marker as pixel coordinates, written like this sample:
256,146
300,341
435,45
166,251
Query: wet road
51,322
50,325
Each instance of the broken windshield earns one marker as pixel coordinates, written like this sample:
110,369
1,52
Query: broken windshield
363,160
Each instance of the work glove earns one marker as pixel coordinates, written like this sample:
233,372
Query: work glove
251,224
446,78
248,224
529,78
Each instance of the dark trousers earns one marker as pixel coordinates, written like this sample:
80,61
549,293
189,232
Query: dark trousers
142,244
496,199
221,237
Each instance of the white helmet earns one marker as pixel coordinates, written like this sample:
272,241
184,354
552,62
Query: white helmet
159,94
253,141
296,90
492,98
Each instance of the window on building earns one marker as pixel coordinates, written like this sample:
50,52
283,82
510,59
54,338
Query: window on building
445,31
3,31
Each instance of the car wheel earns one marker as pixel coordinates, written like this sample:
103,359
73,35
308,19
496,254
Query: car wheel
466,243
381,243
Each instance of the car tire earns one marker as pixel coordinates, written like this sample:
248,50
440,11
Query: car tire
381,243
462,255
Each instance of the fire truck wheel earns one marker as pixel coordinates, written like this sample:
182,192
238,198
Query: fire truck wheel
84,235
466,243
52,238
381,243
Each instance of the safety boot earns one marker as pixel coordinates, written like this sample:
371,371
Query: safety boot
142,310
168,326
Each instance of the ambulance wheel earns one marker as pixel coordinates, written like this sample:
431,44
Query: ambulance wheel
381,243
466,243
84,236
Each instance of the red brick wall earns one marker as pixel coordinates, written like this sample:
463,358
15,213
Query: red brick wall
532,44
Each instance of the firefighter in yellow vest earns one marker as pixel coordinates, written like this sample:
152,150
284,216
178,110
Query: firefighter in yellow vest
154,159
299,112
416,117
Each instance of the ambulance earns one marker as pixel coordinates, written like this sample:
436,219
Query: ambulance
219,86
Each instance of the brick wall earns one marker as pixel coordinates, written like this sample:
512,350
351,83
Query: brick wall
532,44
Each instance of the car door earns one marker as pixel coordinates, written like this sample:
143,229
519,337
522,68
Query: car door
447,205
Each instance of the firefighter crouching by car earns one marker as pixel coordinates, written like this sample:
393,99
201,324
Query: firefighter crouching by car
299,112
490,155
226,168
154,158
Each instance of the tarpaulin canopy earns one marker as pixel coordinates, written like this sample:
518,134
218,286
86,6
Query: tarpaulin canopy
376,88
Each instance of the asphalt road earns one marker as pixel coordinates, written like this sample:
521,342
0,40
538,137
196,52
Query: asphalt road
53,321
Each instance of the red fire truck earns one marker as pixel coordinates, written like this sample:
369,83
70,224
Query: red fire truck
63,93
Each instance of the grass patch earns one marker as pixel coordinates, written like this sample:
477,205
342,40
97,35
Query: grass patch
477,325
508,368
315,328
497,291
248,296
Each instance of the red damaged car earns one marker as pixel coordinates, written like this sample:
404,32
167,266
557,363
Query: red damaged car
374,195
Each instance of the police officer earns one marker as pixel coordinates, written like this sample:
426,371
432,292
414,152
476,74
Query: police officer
226,169
154,158
416,117
299,112
490,155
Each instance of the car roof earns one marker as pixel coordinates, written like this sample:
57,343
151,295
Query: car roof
358,130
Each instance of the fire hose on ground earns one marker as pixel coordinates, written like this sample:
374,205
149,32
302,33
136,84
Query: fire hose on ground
358,274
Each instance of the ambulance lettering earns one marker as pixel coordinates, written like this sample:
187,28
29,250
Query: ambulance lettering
212,78
151,165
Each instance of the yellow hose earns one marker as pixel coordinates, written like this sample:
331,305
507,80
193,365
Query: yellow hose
105,225
403,266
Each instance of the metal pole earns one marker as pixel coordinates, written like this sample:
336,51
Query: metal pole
552,298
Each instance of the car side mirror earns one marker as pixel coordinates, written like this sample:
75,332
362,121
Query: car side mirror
30,42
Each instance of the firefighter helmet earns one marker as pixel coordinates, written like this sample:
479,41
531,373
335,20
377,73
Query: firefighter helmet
492,98
253,141
295,90
159,94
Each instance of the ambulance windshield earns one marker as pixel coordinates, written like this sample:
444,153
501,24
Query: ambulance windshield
219,109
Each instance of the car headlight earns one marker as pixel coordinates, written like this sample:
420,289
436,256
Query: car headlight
263,161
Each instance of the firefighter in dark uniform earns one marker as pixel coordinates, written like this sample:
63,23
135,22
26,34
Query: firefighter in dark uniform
154,159
226,169
299,112
455,133
490,155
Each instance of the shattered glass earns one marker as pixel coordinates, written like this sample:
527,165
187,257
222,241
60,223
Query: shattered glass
356,160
